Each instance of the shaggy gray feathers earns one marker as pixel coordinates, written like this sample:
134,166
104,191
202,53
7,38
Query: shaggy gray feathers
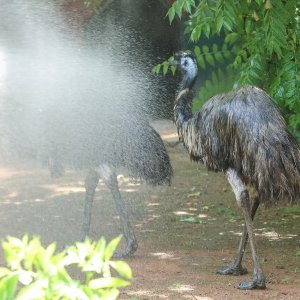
245,131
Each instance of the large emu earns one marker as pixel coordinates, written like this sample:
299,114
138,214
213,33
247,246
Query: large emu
242,134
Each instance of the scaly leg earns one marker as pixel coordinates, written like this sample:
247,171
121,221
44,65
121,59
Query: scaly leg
235,267
243,202
110,179
91,183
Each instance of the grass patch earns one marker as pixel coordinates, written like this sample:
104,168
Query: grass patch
290,210
192,220
229,214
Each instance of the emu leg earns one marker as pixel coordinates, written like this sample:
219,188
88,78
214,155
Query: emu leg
243,202
235,267
111,182
91,183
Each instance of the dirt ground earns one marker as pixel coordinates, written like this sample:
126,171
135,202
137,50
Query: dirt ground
185,231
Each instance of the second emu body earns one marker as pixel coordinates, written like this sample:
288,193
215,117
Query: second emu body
102,142
136,147
242,134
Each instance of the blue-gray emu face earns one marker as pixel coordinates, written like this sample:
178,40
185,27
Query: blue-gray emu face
186,62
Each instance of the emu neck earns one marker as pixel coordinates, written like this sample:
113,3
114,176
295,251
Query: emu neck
188,80
183,107
183,102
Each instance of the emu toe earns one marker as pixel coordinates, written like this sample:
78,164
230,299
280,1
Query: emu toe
128,251
258,282
232,269
251,285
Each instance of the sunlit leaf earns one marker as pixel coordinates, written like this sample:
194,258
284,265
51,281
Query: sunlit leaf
122,268
111,248
109,282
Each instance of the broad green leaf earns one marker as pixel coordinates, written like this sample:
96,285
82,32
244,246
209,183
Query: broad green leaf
201,61
210,59
110,282
219,24
8,287
111,248
205,49
171,14
219,57
4,272
197,51
196,33
165,67
122,268
206,30
33,291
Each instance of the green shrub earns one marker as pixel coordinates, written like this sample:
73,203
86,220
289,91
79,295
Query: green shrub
35,272
259,45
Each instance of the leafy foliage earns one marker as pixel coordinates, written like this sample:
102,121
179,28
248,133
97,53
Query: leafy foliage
35,272
259,46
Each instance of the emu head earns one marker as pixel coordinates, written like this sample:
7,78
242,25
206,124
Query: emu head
186,62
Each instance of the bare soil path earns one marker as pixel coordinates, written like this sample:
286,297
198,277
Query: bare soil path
185,231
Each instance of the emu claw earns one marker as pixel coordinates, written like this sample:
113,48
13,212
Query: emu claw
232,270
251,285
128,251
258,282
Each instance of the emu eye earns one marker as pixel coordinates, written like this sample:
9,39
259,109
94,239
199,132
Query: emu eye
185,63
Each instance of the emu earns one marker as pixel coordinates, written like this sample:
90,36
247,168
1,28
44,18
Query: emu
242,134
101,141
136,147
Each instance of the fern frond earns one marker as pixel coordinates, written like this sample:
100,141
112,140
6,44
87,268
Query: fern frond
220,82
285,87
275,21
227,15
212,56
252,72
178,7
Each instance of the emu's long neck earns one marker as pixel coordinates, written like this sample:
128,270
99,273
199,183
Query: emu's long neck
183,102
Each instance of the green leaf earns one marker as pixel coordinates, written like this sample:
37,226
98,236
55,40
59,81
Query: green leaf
219,24
111,248
197,51
156,69
4,272
8,287
33,291
50,250
205,49
188,6
206,30
171,14
122,268
196,33
110,282
165,67
178,7
219,57
210,59
231,38
173,69
201,62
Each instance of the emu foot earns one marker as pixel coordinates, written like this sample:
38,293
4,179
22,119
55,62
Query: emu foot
258,282
232,269
131,247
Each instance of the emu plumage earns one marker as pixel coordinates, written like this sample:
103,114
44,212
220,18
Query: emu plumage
99,140
242,134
